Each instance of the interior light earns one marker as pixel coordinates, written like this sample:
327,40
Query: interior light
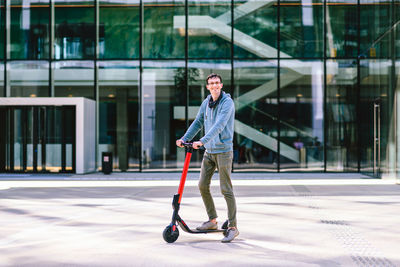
299,95
70,95
111,95
32,95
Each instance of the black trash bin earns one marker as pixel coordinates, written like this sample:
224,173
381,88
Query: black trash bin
106,162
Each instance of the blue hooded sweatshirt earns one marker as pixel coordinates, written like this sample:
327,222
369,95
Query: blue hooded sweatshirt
218,123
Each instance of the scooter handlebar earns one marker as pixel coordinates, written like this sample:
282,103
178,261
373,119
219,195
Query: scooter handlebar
187,144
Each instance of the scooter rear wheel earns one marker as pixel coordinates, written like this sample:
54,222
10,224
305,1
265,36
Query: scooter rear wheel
170,235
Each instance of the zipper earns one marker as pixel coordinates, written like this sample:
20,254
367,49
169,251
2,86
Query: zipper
211,124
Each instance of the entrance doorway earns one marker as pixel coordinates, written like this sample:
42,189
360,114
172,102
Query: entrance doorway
37,139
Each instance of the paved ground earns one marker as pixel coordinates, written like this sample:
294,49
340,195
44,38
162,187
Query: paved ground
64,221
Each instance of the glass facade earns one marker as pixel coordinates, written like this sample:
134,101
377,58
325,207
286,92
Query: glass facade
315,82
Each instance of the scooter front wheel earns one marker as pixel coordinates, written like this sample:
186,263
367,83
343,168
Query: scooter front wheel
171,233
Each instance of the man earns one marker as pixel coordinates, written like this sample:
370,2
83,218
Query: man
217,115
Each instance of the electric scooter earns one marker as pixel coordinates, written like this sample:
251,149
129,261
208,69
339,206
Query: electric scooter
171,232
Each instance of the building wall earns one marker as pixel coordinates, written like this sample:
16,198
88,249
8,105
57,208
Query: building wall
306,76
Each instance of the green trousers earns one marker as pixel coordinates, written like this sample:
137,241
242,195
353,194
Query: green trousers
222,162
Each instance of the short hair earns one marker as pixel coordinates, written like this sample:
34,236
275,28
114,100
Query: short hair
213,75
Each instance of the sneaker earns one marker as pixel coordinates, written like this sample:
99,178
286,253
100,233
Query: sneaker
230,235
208,225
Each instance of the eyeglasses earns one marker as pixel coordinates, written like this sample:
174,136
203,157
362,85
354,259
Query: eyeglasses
216,83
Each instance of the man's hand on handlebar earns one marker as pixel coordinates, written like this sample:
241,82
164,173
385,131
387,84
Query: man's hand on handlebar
179,142
197,144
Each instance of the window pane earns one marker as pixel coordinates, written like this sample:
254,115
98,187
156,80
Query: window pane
341,28
2,89
29,78
29,29
209,29
396,110
301,32
301,114
119,29
161,125
375,27
256,103
74,78
18,141
198,70
374,107
2,27
119,113
397,28
341,116
162,37
75,31
53,139
256,26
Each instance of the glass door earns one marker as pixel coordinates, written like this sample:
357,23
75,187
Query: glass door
17,139
58,139
3,136
37,139
377,137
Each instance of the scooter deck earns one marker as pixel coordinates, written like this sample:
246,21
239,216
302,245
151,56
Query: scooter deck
185,228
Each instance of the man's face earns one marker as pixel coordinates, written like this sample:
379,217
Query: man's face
214,85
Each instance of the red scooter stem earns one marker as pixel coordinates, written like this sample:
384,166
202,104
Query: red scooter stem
184,174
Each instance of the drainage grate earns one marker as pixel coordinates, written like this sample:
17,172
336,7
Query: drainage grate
372,261
337,222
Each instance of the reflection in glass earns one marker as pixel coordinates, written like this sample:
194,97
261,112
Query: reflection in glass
119,113
256,103
162,38
74,78
341,28
209,29
53,139
161,122
75,31
29,34
301,115
29,138
256,25
68,137
18,140
301,31
119,29
29,78
198,70
341,116
374,83
397,27
393,161
375,27
2,28
2,90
